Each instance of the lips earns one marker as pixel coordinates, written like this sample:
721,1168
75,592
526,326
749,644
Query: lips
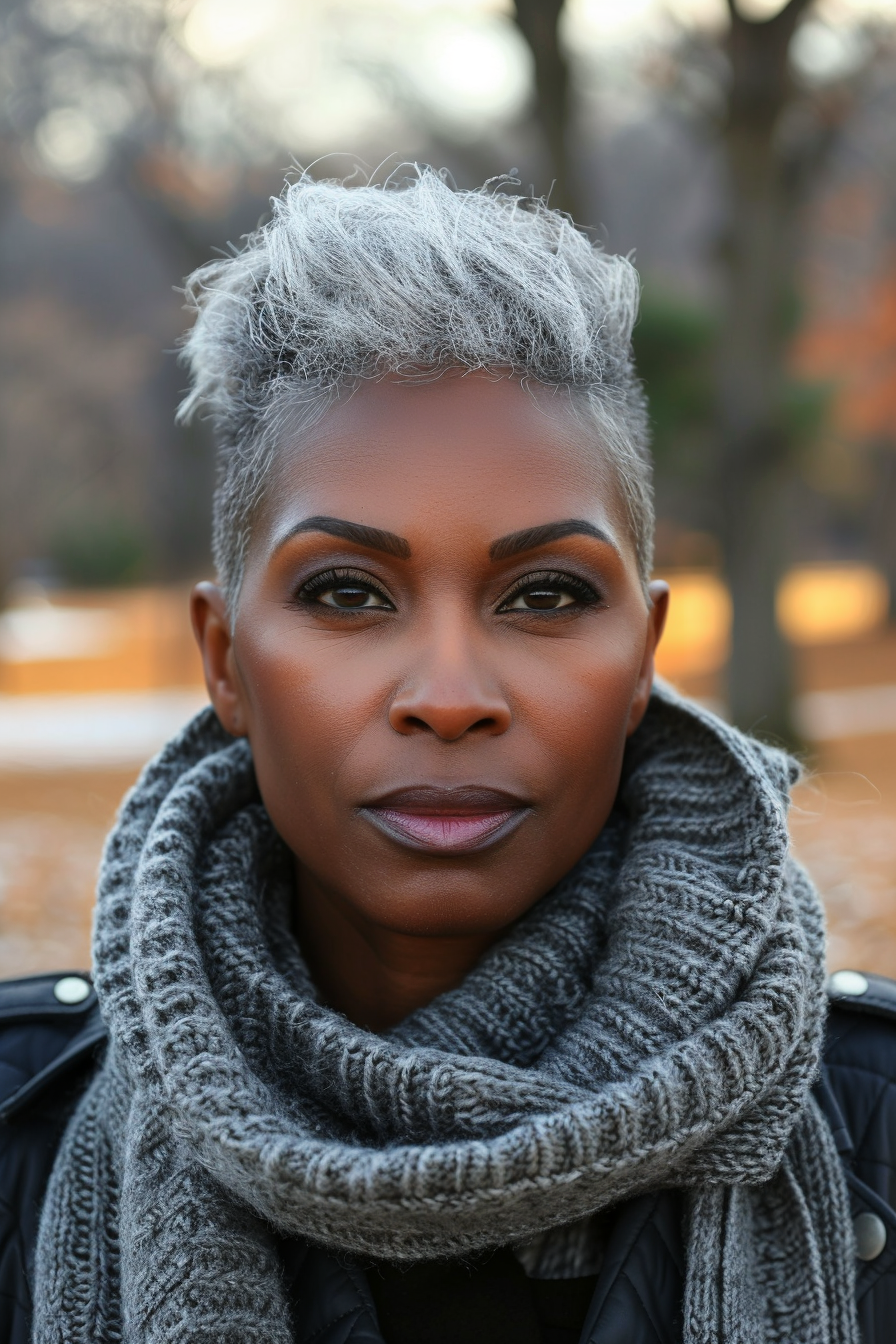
447,821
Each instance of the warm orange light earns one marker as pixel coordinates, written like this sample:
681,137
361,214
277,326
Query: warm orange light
118,640
826,603
698,630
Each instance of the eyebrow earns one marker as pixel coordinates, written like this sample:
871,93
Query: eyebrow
373,538
531,537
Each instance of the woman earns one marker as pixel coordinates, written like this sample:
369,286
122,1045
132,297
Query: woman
458,982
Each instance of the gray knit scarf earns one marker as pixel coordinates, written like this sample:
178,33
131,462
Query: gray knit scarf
653,1021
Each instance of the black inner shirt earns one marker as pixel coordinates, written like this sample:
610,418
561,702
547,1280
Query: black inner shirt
487,1299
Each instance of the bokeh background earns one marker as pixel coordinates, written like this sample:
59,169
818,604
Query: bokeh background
744,150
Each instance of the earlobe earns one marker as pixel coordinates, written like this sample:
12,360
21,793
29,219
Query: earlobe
656,620
659,610
211,626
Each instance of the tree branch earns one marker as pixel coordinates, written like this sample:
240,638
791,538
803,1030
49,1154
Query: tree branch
759,50
788,14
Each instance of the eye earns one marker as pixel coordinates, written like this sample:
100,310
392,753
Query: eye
351,597
549,592
542,598
343,590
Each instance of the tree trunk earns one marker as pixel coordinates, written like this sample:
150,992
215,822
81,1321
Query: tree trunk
754,454
538,21
882,528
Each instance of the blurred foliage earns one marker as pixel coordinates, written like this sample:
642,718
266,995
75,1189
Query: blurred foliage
99,551
673,345
807,410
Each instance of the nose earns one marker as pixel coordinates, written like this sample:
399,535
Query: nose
450,694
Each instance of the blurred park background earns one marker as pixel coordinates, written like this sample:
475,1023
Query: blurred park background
744,150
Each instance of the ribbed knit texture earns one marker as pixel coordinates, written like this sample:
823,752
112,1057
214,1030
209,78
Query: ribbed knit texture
656,1020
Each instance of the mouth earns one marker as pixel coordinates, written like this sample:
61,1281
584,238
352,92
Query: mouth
447,821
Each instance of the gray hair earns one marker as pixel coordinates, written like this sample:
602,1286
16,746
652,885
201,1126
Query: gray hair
411,278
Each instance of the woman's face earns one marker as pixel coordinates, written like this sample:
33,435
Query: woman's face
440,647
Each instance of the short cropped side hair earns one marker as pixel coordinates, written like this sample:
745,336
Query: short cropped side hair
412,278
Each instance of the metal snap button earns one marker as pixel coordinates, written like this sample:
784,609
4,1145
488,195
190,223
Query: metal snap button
71,989
871,1235
852,983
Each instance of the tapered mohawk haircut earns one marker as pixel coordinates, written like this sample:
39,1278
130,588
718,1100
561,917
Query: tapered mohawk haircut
410,278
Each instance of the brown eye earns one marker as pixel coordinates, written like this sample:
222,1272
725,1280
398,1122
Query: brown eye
343,591
540,599
549,592
350,597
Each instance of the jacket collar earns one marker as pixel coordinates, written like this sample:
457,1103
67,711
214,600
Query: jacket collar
44,1035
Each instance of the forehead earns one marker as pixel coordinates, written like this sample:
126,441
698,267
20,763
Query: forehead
469,453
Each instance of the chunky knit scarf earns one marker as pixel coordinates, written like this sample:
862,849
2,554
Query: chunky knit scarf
653,1021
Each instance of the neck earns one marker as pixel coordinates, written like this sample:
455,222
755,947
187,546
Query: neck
375,975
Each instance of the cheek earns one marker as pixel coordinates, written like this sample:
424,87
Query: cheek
310,700
577,699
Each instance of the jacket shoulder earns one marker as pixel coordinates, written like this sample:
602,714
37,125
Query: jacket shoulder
857,1091
50,1032
860,1057
50,1026
863,992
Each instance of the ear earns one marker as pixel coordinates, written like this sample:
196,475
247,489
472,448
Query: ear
656,620
211,626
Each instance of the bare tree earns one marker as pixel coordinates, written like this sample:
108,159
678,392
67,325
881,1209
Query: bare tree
771,158
538,21
767,172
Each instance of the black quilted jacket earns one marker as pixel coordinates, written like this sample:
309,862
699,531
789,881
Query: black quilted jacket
48,1048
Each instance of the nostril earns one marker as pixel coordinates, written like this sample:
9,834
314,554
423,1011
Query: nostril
449,726
448,716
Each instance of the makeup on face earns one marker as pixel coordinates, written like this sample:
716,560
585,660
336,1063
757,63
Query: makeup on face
440,649
453,820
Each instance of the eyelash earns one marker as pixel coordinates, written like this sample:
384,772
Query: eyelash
332,578
583,592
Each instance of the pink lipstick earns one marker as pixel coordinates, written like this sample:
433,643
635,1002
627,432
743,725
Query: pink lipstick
447,820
